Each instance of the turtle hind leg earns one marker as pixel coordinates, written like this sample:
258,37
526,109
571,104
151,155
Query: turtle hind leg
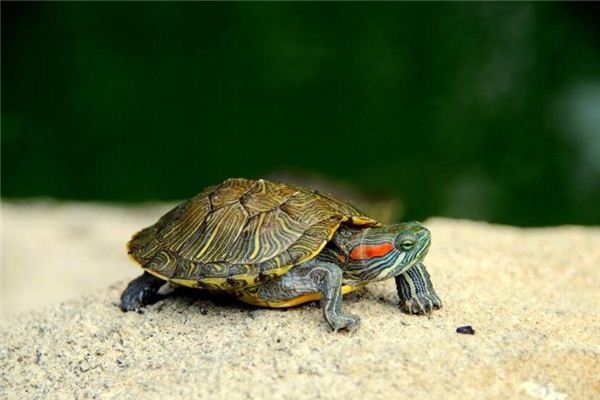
311,281
141,291
416,292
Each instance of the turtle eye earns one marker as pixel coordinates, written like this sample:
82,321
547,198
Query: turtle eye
407,244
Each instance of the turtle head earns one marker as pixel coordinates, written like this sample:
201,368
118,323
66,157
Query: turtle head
386,252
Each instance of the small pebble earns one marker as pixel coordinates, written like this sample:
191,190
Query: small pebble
465,330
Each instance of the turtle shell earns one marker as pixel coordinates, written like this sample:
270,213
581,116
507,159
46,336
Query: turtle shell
237,234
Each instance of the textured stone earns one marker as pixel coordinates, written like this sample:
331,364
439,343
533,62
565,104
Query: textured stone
532,296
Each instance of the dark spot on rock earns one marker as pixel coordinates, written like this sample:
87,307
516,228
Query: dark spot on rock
38,356
465,330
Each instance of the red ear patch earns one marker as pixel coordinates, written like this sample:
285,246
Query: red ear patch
368,251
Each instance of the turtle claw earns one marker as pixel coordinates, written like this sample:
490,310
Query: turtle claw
421,304
416,292
347,322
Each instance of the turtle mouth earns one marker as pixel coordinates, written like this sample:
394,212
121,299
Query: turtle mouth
426,246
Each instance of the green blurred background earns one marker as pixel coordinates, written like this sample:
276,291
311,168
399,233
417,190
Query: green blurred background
471,110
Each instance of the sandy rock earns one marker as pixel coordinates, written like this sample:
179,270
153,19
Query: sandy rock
532,296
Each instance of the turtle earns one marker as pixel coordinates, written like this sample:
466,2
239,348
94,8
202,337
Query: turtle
277,245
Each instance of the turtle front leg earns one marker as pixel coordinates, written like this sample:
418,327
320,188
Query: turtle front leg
303,282
142,291
416,292
330,282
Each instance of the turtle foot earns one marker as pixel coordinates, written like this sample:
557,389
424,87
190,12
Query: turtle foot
347,322
424,303
141,292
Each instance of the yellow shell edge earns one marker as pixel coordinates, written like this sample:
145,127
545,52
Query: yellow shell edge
252,299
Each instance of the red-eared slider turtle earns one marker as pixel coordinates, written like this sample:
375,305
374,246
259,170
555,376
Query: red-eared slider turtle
277,245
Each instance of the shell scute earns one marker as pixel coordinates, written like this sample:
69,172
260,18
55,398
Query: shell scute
185,220
265,236
265,196
230,192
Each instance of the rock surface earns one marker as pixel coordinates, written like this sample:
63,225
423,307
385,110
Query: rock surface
532,296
